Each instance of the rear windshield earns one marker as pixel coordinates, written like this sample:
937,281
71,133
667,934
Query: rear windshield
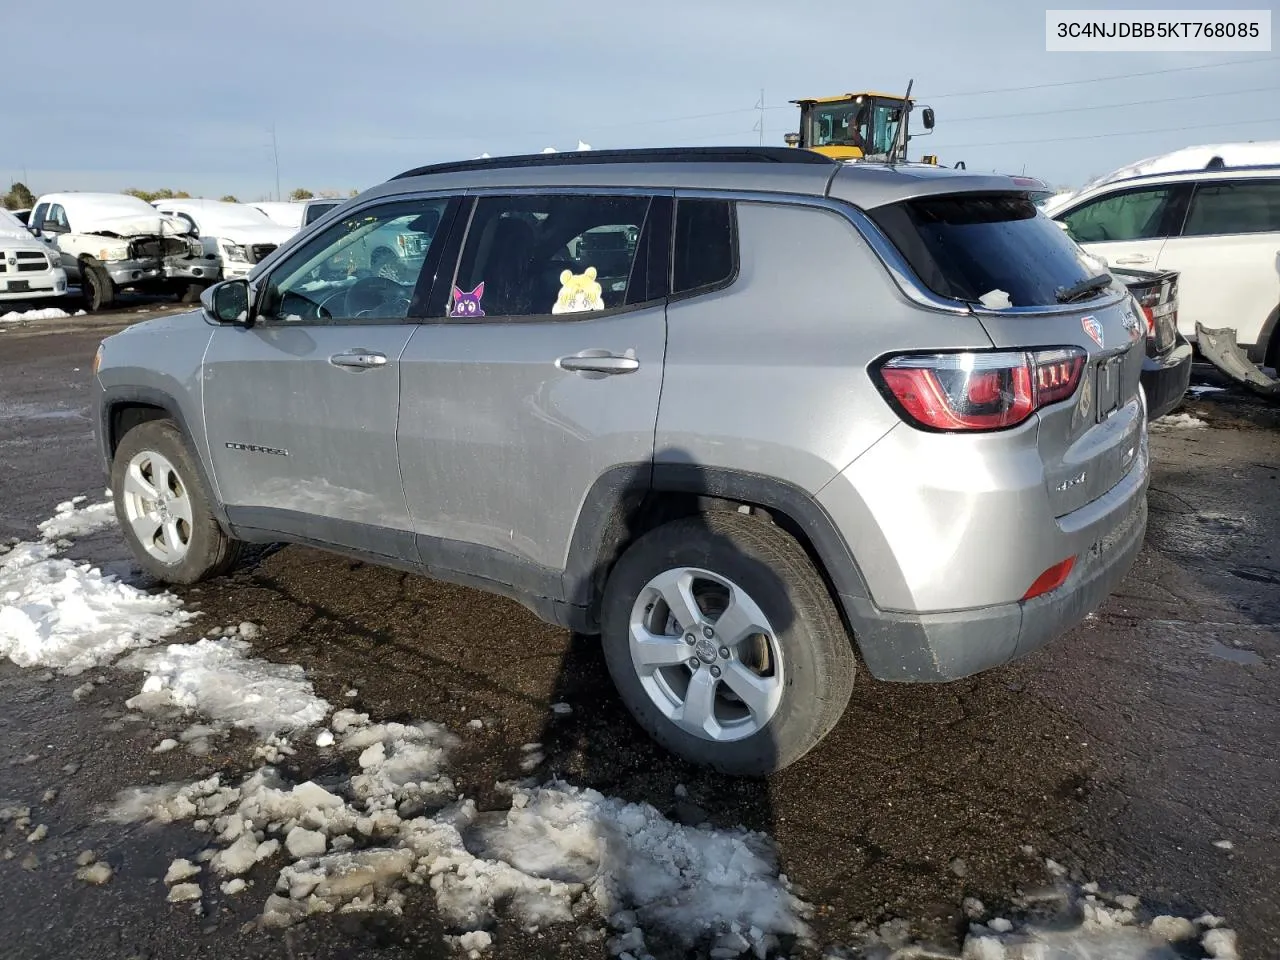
967,247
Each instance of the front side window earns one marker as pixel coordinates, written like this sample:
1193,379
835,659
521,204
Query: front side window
885,120
549,254
1243,206
364,267
1133,215
56,219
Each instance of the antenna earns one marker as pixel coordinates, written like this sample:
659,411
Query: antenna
899,134
275,149
759,125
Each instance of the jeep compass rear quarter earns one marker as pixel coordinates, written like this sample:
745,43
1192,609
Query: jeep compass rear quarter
734,410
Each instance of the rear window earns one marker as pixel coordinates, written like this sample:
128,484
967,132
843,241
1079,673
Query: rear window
969,246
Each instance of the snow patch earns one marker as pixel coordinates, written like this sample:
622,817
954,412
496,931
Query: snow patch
215,678
71,520
1175,421
69,616
560,853
44,313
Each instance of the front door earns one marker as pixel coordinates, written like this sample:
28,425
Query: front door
1229,258
301,408
544,376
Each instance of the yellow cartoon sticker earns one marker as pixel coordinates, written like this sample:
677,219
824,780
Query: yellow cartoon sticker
579,293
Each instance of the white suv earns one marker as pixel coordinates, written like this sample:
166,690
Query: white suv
28,269
1217,225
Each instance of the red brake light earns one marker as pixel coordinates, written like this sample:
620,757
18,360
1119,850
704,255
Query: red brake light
981,391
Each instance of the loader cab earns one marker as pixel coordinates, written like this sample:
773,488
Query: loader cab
855,126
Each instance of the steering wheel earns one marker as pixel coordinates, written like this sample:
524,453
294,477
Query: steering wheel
363,298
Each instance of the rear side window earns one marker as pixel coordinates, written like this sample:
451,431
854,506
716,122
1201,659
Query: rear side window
535,256
965,246
1244,206
1132,215
705,253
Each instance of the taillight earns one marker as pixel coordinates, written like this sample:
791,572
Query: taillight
980,391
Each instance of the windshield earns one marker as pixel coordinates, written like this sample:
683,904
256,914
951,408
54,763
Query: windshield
967,246
839,124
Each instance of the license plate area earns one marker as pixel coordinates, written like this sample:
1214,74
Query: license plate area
16,285
1110,372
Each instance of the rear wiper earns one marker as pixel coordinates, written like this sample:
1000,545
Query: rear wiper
1078,291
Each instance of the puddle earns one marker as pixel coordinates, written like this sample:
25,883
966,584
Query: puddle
29,411
1246,657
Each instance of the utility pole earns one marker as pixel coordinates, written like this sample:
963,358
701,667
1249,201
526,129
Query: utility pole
760,122
275,149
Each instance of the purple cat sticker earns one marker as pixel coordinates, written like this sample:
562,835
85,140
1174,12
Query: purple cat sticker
467,304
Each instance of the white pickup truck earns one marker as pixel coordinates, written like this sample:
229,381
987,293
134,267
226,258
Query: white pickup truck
236,234
109,242
28,269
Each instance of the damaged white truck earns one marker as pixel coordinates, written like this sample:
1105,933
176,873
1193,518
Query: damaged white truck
110,242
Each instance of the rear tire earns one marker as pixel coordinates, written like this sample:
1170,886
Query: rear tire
796,669
165,510
96,287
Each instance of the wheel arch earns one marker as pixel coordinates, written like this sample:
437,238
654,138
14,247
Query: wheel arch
630,500
121,409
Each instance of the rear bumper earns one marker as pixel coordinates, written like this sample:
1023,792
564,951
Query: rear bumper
937,647
1165,379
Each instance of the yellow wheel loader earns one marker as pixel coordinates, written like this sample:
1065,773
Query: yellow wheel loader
860,126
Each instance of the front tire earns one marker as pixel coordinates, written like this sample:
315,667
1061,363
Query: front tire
165,510
724,643
96,287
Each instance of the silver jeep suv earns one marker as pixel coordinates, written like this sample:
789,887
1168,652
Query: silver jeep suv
738,411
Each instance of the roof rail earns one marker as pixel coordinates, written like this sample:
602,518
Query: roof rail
638,155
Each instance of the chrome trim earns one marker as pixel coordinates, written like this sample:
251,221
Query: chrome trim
1048,310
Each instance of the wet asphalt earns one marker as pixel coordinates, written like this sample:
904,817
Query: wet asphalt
1123,751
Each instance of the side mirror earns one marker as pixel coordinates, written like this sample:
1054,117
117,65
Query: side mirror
227,302
927,116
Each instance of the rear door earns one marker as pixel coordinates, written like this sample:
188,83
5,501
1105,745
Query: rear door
1128,227
301,409
540,371
1228,257
964,246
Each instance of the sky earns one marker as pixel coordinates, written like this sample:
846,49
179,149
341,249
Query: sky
155,94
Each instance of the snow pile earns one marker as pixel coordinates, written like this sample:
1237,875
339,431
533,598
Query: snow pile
69,616
559,855
1176,421
44,313
72,520
215,678
1064,923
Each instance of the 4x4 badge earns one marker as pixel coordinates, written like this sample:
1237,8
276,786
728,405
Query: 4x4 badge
1093,328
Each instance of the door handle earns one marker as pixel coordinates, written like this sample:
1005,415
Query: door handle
359,359
1134,258
599,362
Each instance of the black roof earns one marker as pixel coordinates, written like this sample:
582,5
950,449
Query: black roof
639,155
